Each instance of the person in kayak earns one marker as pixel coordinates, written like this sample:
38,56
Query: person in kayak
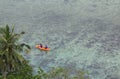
41,46
46,47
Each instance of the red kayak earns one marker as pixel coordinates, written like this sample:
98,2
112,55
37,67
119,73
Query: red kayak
43,48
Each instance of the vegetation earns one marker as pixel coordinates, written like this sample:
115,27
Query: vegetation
10,59
14,66
24,73
60,73
55,73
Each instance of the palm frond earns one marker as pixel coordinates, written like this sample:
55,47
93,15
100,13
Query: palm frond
25,45
22,32
13,29
10,59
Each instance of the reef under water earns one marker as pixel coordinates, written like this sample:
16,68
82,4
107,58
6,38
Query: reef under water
82,34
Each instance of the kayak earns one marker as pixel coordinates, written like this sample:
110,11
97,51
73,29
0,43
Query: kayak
43,48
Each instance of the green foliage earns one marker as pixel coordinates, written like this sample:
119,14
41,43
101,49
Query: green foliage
81,75
10,48
41,74
60,73
24,73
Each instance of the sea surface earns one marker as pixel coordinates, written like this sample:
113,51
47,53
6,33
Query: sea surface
82,34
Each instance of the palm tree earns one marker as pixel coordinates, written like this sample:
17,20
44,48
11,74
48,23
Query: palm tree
10,57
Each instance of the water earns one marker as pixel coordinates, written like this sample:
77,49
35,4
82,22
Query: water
82,34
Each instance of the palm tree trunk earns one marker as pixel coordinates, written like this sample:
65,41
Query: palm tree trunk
4,75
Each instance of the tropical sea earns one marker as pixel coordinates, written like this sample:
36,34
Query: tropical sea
82,34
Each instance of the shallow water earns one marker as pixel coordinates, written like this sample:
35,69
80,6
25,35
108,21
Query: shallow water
82,34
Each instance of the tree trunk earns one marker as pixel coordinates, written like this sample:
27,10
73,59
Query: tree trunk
4,75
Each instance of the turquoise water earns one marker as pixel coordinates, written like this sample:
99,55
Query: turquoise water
82,34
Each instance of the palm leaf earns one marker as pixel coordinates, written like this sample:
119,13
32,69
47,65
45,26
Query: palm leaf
25,45
2,30
10,59
12,29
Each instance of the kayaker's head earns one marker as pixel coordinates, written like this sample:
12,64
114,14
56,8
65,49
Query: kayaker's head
40,45
46,46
